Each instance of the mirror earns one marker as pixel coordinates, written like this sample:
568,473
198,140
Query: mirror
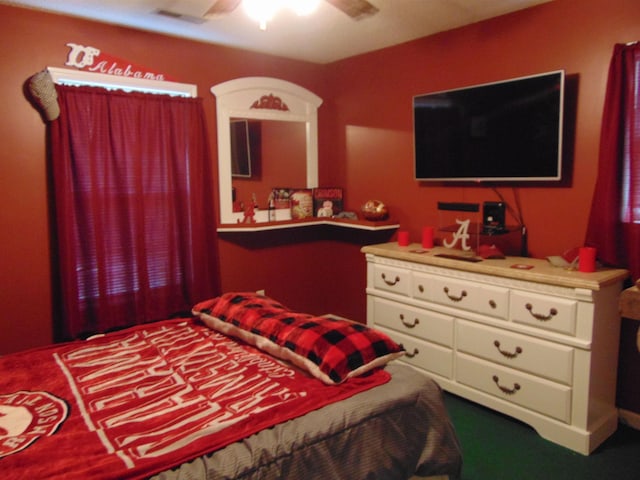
282,144
275,105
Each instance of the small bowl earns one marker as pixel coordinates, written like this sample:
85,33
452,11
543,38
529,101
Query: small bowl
375,210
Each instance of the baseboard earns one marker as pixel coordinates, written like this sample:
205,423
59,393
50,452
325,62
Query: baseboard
629,418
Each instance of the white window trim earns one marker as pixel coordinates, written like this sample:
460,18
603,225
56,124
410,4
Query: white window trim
65,76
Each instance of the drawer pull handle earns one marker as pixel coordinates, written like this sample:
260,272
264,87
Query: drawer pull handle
539,316
412,354
454,298
493,304
508,391
391,283
505,353
407,324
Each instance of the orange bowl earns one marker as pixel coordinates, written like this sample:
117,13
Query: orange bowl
375,210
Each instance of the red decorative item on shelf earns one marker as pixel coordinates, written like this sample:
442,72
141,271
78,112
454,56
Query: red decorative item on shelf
427,237
375,210
403,238
587,259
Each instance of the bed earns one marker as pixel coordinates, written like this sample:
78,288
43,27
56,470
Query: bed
221,395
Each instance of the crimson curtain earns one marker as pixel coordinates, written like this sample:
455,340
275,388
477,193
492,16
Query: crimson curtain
614,224
133,208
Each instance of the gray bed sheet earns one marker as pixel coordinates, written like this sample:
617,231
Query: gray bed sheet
393,431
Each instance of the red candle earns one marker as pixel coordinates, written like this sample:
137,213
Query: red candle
427,237
403,238
587,259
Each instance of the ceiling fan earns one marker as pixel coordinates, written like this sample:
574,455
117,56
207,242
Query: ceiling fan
356,9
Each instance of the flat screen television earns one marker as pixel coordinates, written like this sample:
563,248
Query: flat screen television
507,131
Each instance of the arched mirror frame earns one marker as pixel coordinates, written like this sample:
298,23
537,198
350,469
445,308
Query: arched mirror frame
262,98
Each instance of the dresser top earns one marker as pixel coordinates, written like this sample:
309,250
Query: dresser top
521,268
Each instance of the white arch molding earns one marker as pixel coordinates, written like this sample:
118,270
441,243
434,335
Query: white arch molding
237,99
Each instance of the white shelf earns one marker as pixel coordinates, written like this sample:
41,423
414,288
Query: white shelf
336,222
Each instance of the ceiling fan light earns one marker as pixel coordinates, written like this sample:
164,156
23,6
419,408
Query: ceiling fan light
303,7
261,11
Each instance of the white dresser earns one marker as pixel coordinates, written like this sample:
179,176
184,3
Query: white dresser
538,344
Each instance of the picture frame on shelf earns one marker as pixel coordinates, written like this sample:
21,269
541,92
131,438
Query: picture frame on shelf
327,201
301,202
281,198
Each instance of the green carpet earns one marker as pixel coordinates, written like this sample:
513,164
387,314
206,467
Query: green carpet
497,447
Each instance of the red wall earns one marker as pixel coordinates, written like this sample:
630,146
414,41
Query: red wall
370,143
374,95
31,41
365,143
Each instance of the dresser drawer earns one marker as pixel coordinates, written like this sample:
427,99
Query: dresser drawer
476,297
542,396
392,279
423,324
424,355
529,354
551,313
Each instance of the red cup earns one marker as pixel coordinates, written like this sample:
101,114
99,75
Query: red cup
427,237
587,259
403,238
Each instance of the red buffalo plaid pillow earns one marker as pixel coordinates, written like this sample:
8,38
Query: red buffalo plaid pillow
331,350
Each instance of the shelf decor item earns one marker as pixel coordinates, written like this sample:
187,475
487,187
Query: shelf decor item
301,203
427,236
327,201
375,210
281,197
458,226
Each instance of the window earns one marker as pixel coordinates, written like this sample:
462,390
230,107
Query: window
614,224
630,207
133,207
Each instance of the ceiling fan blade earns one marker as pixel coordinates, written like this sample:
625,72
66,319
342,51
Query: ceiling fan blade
220,7
356,9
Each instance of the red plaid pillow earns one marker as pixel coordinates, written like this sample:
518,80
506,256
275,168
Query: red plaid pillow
331,350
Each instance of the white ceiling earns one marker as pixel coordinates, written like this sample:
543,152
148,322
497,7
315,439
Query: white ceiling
323,37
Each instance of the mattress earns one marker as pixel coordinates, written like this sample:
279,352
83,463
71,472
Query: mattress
145,399
393,431
244,389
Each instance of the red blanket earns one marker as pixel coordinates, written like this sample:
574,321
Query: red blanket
136,402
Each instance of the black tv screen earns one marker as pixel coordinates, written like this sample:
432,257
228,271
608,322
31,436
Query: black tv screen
508,131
